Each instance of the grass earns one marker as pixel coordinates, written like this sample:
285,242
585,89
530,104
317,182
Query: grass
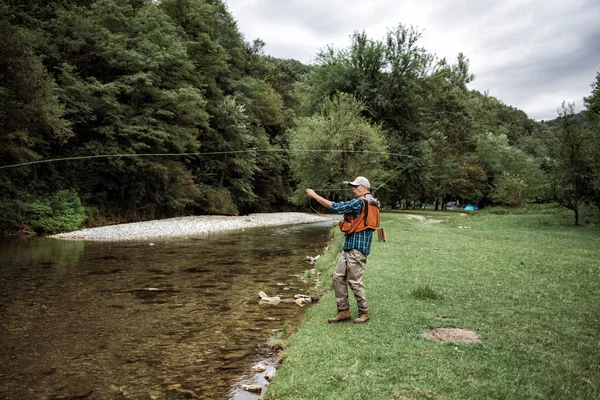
528,284
425,292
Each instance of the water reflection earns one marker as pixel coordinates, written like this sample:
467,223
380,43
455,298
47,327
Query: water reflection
129,320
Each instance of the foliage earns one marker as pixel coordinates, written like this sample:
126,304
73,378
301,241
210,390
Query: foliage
216,200
61,211
109,77
592,148
352,147
87,78
568,169
388,76
510,190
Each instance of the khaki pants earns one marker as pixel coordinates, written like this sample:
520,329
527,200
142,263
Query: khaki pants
349,270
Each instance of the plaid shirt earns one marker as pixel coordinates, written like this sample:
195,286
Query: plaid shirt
359,240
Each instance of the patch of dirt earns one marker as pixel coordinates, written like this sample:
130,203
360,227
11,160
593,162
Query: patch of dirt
415,216
423,219
454,335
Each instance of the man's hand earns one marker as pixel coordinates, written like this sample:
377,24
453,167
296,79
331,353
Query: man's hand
311,193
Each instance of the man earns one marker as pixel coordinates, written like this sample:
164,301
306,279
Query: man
361,218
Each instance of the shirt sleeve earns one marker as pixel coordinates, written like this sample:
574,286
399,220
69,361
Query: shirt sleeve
347,207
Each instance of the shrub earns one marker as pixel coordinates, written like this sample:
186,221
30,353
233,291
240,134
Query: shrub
216,200
62,211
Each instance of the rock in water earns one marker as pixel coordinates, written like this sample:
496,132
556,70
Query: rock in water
270,300
270,375
251,388
259,367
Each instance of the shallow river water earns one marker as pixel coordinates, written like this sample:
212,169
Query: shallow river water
166,319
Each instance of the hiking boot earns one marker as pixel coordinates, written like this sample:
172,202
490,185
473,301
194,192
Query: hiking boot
362,318
340,317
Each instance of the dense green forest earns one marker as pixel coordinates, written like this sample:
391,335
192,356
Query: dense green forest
222,128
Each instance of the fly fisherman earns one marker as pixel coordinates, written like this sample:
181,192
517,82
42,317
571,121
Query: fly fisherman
361,218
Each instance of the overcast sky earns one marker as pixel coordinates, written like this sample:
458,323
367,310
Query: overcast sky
530,54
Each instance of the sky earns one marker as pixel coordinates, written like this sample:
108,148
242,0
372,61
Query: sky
530,54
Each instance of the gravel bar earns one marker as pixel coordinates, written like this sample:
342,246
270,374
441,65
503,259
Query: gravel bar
192,226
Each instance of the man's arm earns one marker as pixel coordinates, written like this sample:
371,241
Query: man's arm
323,201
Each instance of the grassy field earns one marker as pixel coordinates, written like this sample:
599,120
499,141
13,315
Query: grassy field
528,284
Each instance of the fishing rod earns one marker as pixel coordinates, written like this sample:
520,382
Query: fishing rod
373,192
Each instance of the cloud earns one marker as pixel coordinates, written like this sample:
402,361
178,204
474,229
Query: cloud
530,54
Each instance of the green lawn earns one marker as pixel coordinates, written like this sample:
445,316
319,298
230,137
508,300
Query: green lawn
528,284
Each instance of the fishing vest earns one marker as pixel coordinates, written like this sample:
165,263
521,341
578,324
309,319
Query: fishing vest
367,219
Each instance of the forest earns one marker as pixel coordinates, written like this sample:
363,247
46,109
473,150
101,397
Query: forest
153,109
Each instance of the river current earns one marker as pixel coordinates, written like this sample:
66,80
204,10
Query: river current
162,319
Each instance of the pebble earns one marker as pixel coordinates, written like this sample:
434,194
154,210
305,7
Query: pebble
190,226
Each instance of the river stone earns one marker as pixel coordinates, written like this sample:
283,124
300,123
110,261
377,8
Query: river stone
259,367
270,375
251,388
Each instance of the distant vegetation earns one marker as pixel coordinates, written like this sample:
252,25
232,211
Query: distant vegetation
106,77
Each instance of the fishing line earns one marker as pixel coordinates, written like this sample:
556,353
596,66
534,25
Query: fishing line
206,153
393,176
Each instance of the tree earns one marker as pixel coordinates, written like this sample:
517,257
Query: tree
451,135
592,147
32,119
569,169
336,145
389,76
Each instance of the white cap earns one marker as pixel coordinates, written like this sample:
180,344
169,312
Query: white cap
360,181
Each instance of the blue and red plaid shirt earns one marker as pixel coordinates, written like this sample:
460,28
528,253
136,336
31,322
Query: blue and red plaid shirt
359,240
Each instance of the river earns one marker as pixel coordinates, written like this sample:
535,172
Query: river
166,319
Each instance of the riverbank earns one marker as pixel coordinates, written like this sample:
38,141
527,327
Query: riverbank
526,285
192,226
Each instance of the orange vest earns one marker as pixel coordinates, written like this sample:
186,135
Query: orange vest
367,219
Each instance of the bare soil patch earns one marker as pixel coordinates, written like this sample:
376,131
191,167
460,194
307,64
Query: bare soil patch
423,219
454,335
415,216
